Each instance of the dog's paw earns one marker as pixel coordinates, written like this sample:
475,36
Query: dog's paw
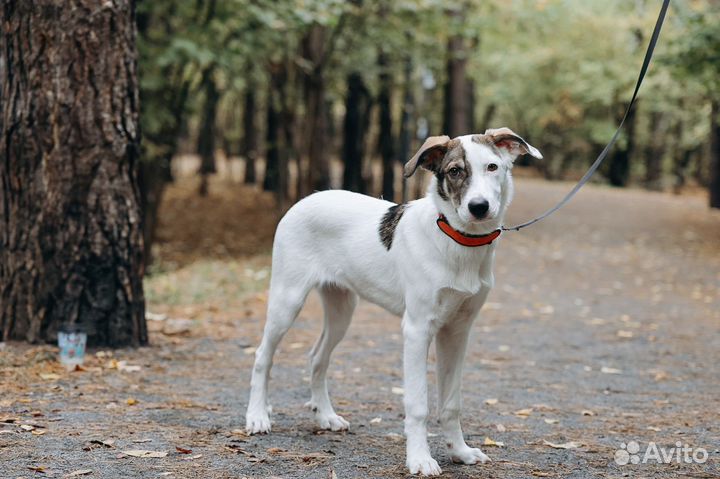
424,465
469,455
332,422
257,423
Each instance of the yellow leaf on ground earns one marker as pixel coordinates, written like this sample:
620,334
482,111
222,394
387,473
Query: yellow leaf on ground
490,442
131,401
49,376
523,412
491,402
564,445
79,472
144,453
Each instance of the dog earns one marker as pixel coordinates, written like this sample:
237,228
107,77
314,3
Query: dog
429,261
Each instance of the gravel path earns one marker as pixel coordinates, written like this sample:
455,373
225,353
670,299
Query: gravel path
603,329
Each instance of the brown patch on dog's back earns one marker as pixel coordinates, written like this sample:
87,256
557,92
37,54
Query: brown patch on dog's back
389,222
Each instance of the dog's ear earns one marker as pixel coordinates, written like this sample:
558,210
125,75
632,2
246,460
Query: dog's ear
506,139
429,154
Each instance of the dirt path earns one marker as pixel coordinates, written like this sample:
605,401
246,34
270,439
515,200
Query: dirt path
603,329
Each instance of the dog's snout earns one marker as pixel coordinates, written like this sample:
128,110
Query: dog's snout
478,207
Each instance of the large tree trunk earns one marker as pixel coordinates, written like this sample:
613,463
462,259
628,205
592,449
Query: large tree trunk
357,107
71,242
206,136
385,139
714,185
249,143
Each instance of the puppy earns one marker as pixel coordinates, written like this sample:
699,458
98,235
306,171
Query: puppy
429,261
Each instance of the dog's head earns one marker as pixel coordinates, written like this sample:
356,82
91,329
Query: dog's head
472,174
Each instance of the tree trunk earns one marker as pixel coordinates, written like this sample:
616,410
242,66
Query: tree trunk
318,175
357,106
249,145
654,152
456,112
408,111
385,139
619,171
714,185
71,243
272,139
206,136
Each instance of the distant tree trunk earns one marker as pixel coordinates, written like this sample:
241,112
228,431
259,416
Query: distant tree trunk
318,175
206,136
654,152
249,144
408,110
357,104
715,155
385,139
619,170
456,112
272,141
71,242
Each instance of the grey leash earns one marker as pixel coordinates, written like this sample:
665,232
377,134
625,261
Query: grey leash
586,177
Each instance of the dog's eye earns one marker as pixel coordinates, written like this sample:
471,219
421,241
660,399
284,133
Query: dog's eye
492,167
454,172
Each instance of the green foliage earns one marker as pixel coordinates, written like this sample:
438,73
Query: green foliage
559,71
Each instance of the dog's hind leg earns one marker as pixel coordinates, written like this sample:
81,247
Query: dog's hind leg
339,304
284,304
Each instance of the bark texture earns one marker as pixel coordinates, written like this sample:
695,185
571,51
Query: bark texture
71,247
714,185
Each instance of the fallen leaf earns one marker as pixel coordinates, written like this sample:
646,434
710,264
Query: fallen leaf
250,350
49,376
27,427
192,458
540,474
239,432
106,443
551,421
376,420
275,450
131,401
653,428
606,370
490,442
397,390
523,412
79,472
37,468
564,445
500,428
38,432
144,453
182,450
587,412
491,402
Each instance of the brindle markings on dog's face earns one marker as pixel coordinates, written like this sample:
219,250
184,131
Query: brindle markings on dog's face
453,174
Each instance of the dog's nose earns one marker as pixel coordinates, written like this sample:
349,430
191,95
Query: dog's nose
478,207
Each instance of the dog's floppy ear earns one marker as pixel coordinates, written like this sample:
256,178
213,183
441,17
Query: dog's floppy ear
429,154
506,139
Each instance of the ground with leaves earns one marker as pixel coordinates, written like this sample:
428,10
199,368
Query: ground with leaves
603,329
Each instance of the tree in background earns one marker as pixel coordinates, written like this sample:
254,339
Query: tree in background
71,243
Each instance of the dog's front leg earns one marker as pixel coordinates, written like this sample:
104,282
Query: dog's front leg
451,344
417,336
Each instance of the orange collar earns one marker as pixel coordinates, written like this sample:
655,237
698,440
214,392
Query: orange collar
463,238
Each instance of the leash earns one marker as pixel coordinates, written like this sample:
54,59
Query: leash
593,168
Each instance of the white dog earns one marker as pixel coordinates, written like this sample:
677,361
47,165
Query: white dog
429,261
